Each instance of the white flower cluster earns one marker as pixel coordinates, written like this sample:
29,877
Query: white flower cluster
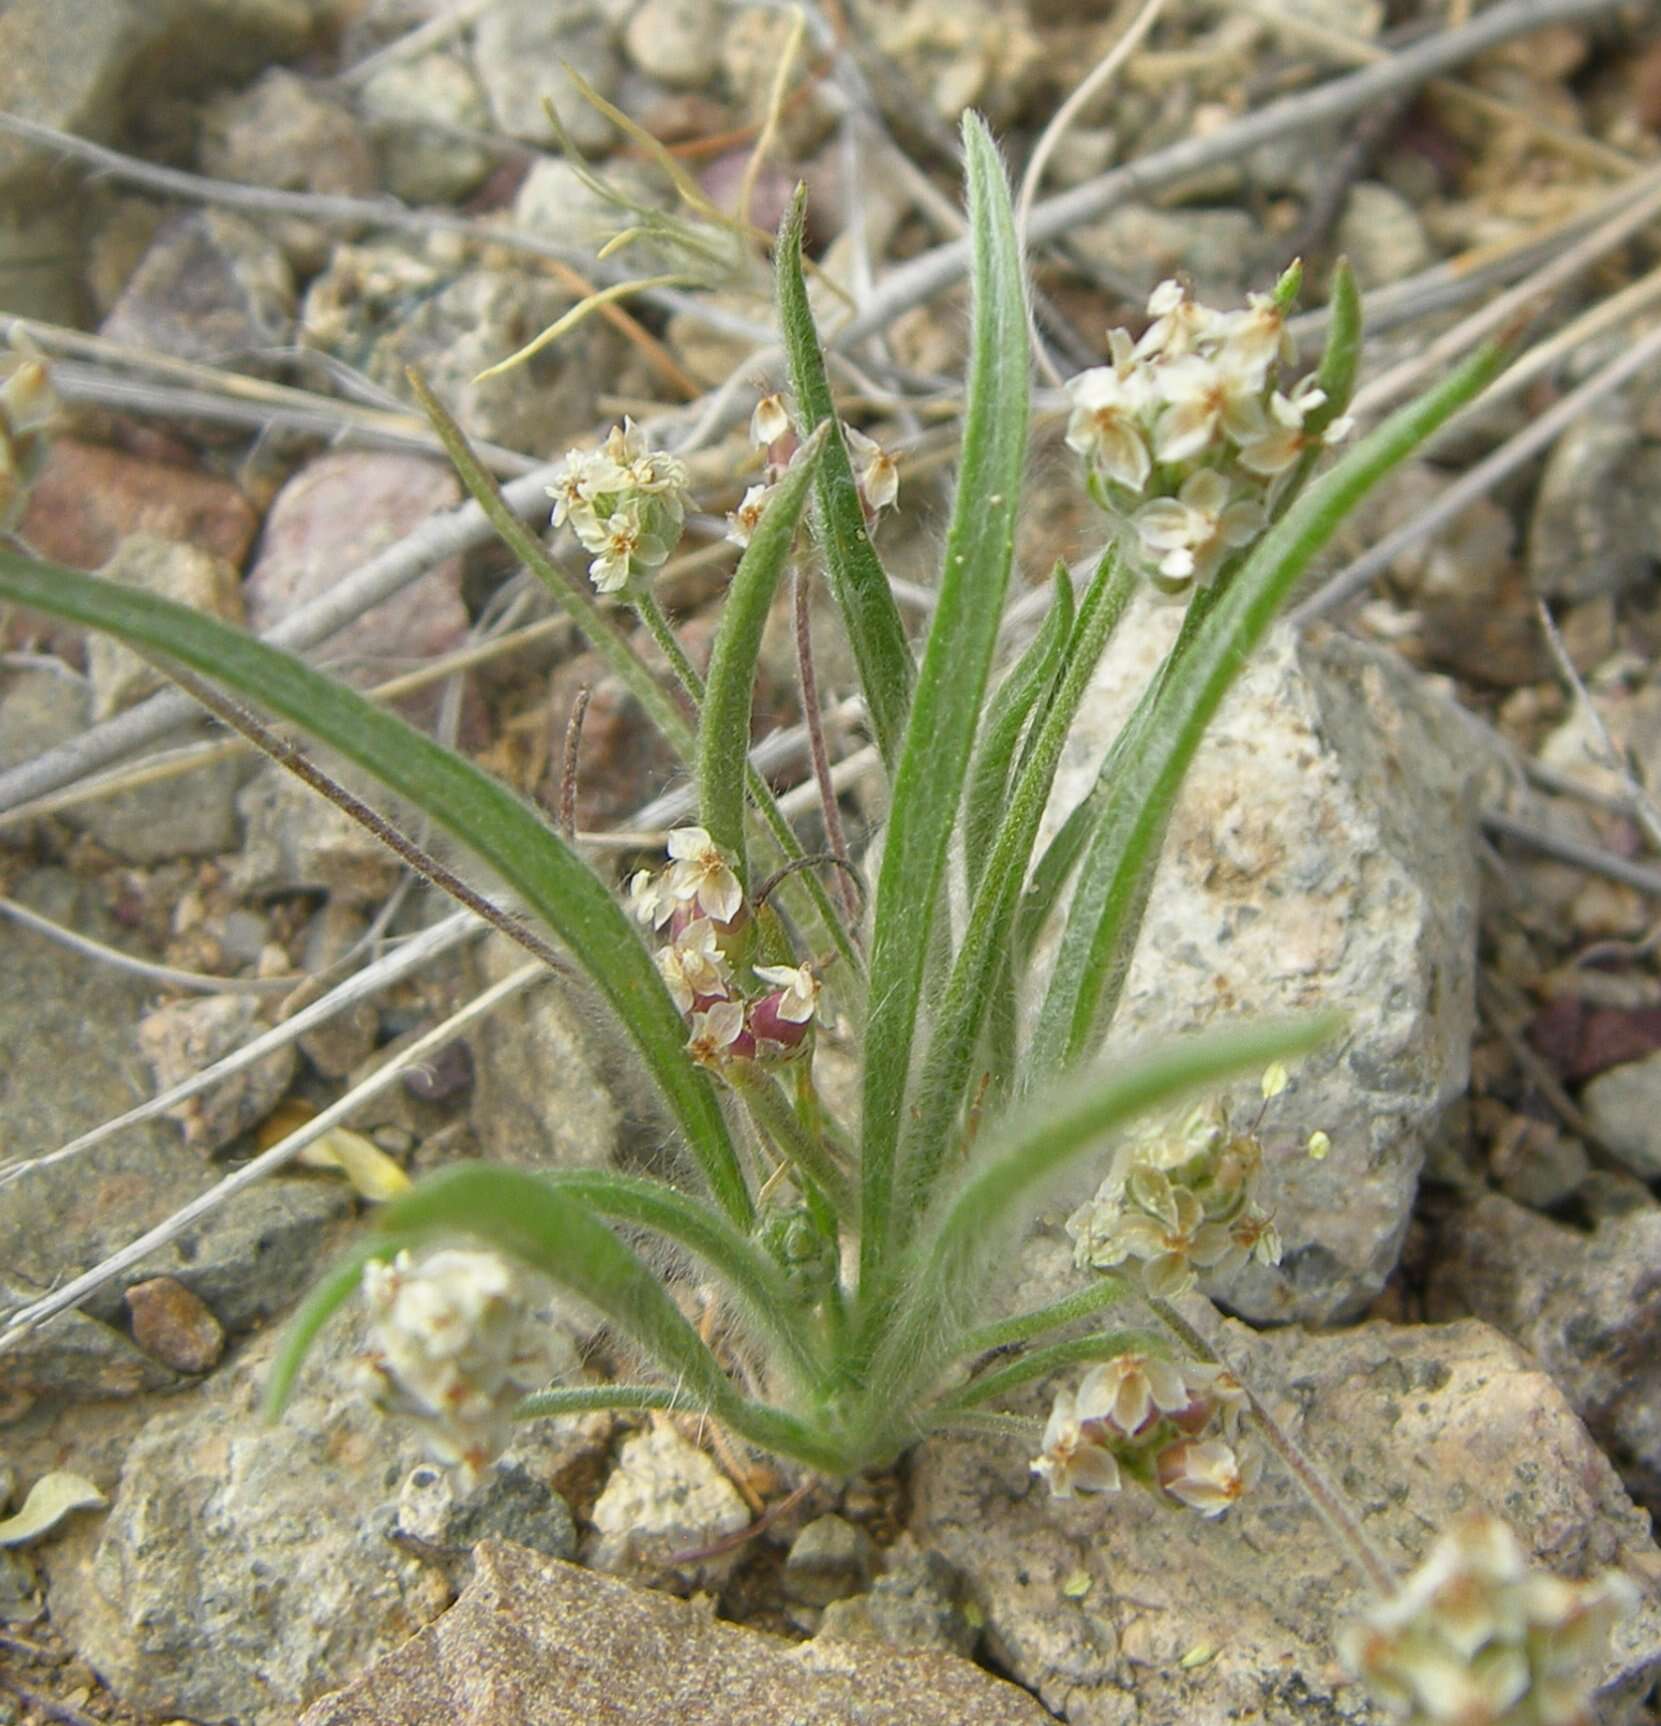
1178,1201
455,1346
1474,1638
1173,1428
28,403
701,901
625,503
876,473
1187,437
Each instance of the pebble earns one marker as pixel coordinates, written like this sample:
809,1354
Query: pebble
174,1325
182,1038
677,42
411,106
518,48
1381,234
665,1497
88,499
212,287
1624,1108
1591,531
336,513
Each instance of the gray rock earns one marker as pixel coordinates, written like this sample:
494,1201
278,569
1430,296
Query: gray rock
518,47
1624,1107
1224,251
198,43
283,131
67,1064
418,111
509,1504
664,1498
480,317
192,815
534,1639
63,63
253,1257
918,1602
182,1038
336,513
1381,234
41,706
543,1096
829,1560
41,270
1590,533
1118,1606
211,287
555,202
296,841
1320,856
677,42
238,1576
73,1359
183,573
1586,1306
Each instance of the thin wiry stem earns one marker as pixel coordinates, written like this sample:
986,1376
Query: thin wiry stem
1097,80
410,957
1565,850
569,761
268,1162
813,722
295,761
1328,1502
1510,455
168,976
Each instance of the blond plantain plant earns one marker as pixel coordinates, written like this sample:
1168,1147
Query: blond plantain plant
859,1259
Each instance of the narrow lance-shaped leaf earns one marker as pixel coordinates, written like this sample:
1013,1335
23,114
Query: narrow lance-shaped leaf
768,1308
968,996
946,707
1114,879
486,817
951,1263
858,582
724,720
1025,689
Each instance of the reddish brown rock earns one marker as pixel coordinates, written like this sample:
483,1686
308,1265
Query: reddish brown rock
333,516
174,1326
88,499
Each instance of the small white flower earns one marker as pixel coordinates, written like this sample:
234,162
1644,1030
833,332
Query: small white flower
1189,535
1130,1390
1180,323
693,965
769,422
454,1336
743,521
1072,1461
700,873
1474,1635
1207,398
1204,1474
715,1032
1258,336
877,472
650,898
800,991
1105,425
1284,438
